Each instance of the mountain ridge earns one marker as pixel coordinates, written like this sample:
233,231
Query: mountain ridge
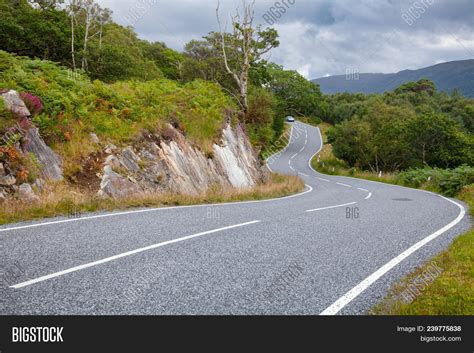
447,77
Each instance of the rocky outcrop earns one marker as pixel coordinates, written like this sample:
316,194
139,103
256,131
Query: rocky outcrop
153,165
181,168
116,186
47,160
15,104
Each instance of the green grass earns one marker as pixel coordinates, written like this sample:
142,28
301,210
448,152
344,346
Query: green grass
452,293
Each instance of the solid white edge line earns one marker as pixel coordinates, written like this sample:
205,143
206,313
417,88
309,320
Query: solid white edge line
280,152
309,189
330,207
129,253
366,283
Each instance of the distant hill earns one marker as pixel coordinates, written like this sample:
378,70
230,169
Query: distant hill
447,77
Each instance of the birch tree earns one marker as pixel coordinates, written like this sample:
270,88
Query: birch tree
251,42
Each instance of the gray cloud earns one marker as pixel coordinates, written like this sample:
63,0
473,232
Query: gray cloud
321,37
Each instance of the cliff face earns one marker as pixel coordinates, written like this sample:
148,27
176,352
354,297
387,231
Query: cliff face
179,167
152,165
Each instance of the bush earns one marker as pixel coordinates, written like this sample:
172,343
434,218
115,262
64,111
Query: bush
447,181
260,118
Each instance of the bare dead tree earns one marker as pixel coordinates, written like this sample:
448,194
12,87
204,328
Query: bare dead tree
249,42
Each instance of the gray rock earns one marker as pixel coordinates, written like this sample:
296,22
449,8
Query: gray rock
94,138
129,160
110,148
180,167
7,180
112,161
49,162
115,186
15,104
26,193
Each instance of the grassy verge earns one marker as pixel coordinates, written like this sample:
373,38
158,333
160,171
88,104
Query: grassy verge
66,202
450,292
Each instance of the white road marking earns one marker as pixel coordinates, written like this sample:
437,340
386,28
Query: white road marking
129,253
330,207
310,189
294,156
301,150
345,185
369,196
327,181
314,155
363,190
366,283
303,174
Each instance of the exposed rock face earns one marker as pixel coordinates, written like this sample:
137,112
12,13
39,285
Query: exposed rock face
153,167
181,168
49,162
15,104
116,186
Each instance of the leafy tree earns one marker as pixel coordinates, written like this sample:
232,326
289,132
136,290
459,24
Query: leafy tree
296,95
42,32
120,57
170,62
422,85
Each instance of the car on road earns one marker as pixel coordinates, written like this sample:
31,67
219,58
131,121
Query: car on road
290,119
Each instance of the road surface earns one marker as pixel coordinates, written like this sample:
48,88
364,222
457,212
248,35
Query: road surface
334,249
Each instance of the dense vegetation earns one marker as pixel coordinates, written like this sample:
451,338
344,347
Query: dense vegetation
120,112
81,36
412,127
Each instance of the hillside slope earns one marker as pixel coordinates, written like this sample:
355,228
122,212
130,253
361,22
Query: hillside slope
447,77
117,140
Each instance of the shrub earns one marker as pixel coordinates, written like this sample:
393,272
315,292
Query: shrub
447,181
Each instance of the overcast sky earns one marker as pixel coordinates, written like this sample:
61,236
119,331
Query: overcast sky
322,37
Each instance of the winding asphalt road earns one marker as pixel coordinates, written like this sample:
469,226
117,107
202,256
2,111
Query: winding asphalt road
334,249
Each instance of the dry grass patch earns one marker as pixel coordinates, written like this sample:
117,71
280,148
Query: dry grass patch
64,201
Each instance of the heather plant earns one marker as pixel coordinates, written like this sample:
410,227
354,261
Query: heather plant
32,102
